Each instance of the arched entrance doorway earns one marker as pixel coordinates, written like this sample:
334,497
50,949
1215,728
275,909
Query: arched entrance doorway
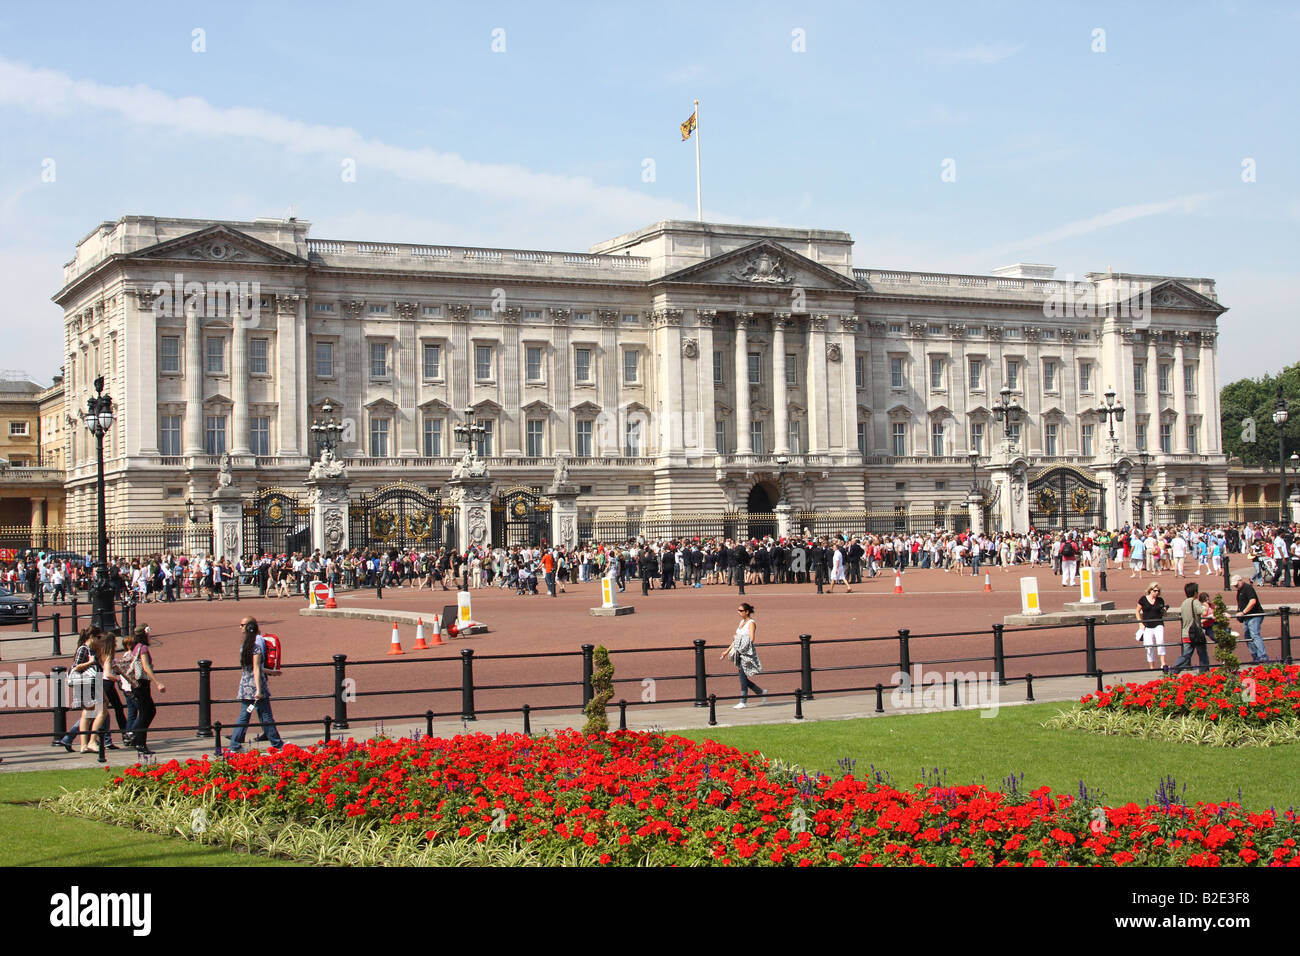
762,518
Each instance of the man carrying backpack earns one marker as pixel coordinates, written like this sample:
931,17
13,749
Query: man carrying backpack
1069,561
1194,639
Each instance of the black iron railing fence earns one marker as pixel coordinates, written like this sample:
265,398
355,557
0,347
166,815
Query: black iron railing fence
892,670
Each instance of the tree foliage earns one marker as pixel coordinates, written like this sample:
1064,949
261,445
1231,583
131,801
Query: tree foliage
602,689
1255,398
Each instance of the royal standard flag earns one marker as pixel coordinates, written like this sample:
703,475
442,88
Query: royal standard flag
688,127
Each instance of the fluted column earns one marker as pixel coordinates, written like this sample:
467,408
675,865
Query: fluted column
193,444
743,444
818,434
780,400
1180,398
239,444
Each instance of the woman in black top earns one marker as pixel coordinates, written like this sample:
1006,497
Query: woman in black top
1151,613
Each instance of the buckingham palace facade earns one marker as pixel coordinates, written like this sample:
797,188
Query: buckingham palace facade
686,367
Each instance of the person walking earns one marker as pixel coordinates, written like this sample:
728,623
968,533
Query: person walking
139,665
1194,639
83,677
837,569
1250,612
745,656
254,693
1151,615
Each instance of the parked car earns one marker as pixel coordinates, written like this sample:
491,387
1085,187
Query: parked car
14,608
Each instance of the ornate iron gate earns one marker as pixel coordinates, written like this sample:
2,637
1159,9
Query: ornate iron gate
520,517
274,523
402,516
1064,498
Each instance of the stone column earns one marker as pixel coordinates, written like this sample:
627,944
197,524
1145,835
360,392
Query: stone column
328,498
239,444
780,400
193,438
784,519
292,423
38,514
743,443
1180,398
1294,502
228,522
818,434
1212,435
564,514
975,509
705,391
473,511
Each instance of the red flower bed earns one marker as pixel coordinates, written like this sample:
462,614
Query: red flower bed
635,798
1255,695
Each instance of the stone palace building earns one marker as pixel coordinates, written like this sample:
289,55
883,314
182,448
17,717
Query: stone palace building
681,371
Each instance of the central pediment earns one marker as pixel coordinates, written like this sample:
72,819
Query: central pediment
220,244
763,265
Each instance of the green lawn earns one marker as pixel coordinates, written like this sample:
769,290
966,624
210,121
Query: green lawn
962,745
986,750
33,837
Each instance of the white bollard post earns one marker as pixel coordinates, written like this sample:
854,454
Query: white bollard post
1087,594
1029,596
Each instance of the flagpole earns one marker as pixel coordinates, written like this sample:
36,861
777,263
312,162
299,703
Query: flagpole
699,208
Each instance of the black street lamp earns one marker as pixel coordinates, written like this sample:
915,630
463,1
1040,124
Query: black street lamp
974,459
327,429
781,462
1281,412
1007,411
470,432
98,419
1112,412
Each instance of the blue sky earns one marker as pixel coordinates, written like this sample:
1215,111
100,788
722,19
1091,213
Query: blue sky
1128,158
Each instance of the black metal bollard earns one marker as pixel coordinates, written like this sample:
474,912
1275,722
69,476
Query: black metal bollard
103,747
713,710
205,699
428,723
1029,687
1090,644
57,696
1226,578
36,615
236,586
880,698
586,674
956,696
999,654
528,727
622,715
58,649
798,703
1284,622
1100,686
805,665
904,653
327,721
701,678
74,612
216,738
467,684
340,702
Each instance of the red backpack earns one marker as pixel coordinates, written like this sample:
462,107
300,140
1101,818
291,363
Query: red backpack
272,653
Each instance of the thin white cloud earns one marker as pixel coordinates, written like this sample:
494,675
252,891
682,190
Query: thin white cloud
1113,217
49,92
980,53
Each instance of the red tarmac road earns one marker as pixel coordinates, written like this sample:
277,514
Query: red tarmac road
651,649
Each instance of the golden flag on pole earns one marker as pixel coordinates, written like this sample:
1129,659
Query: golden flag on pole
688,127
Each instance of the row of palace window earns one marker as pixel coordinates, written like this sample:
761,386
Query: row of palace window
432,367
434,445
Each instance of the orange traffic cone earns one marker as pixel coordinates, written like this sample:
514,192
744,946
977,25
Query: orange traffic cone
419,644
988,585
898,583
329,600
437,631
396,646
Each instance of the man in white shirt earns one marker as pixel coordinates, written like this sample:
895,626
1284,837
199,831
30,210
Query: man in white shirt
1179,549
1282,555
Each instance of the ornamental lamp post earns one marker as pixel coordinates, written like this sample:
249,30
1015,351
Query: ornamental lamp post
327,429
470,431
1145,495
1007,412
781,462
974,459
1281,412
98,419
1112,412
